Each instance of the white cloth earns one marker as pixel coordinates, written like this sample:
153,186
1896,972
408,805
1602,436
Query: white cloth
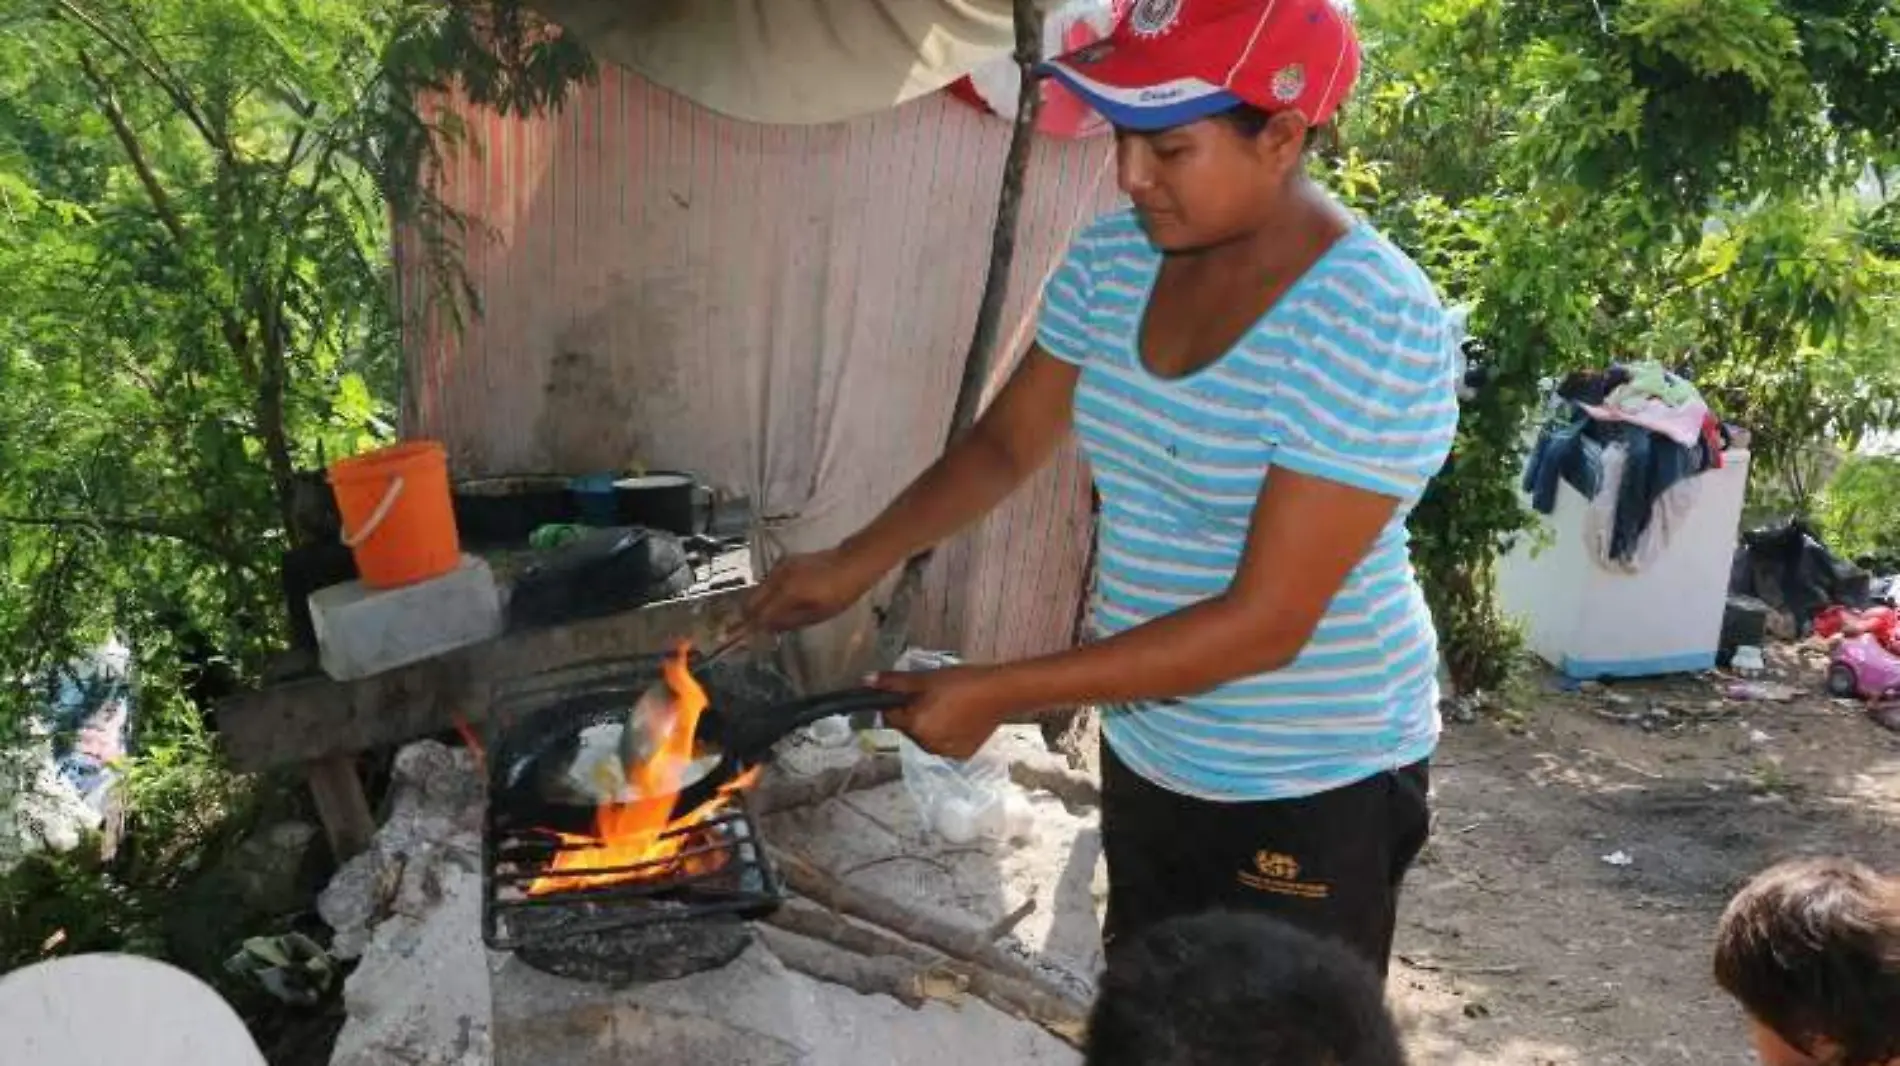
1076,24
793,61
1667,513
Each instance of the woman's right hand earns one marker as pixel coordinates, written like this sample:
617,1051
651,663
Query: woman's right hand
804,590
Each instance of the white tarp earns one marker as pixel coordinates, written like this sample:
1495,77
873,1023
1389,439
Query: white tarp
793,61
783,310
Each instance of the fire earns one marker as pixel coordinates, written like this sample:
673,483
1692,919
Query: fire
642,833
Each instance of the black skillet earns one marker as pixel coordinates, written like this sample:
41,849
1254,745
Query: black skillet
533,792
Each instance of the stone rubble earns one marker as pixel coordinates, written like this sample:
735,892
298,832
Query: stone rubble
427,992
410,907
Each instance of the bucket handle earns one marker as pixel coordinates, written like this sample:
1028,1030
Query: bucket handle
351,540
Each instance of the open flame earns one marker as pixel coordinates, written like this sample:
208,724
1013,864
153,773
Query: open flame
640,840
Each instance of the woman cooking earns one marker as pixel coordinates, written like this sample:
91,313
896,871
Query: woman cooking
1262,385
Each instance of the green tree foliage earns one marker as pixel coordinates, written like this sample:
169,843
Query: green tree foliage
195,207
1860,511
1680,180
197,300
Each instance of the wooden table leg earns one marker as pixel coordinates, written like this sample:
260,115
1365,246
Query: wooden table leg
341,805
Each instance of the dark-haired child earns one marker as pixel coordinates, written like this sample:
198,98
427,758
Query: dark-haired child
1811,950
1239,989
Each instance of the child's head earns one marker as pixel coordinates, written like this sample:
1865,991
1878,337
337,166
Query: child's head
1811,950
1226,989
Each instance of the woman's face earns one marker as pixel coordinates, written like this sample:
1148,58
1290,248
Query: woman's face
1207,183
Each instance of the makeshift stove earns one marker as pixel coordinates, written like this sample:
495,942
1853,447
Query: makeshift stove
583,986
598,872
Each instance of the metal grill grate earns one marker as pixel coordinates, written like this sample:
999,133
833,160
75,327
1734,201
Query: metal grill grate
739,884
743,884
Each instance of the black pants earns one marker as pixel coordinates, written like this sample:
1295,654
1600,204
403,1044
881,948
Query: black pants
1330,864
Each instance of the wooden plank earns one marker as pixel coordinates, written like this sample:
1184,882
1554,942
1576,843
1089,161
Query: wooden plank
304,721
341,805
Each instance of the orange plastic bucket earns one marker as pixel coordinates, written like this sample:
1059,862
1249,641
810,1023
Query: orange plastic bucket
397,518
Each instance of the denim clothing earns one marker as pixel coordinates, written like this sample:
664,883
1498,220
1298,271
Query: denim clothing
1565,449
1571,446
1654,463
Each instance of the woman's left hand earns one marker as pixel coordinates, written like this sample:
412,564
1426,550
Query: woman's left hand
953,711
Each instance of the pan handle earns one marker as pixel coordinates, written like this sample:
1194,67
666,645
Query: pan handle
810,709
748,738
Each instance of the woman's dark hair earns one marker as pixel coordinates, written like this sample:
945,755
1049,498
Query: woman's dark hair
1227,989
1811,949
1250,122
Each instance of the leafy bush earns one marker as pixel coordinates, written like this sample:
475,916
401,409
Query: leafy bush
1644,179
201,298
1860,510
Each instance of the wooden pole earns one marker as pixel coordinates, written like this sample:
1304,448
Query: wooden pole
341,805
894,625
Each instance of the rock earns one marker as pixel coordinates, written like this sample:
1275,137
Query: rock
420,996
357,898
785,1018
434,782
410,907
421,888
427,992
436,804
267,870
612,1034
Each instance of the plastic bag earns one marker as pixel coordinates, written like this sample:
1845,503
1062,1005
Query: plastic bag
960,800
606,570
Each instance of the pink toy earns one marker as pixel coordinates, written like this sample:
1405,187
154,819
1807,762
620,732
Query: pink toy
1863,667
1882,622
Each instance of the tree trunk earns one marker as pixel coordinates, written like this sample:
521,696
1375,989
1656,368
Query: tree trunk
894,625
272,378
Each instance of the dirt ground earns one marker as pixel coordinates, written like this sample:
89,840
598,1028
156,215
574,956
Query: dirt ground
1584,849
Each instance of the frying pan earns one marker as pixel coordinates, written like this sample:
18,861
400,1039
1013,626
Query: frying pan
536,790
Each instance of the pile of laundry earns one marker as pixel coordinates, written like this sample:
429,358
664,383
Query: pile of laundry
1631,440
56,786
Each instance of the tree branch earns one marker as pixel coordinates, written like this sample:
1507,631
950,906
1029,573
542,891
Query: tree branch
141,525
179,97
304,111
894,627
234,332
134,151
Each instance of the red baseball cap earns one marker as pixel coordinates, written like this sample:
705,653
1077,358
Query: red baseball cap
1172,62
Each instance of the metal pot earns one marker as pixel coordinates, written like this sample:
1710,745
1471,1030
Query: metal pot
664,499
501,512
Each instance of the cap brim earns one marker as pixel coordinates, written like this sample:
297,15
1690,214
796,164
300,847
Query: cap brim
1127,109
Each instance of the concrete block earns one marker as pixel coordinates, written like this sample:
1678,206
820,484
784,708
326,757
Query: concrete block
363,631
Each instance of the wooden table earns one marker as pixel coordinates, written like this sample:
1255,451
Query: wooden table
322,724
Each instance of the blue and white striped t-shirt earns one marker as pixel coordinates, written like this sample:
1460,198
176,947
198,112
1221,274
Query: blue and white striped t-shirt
1349,377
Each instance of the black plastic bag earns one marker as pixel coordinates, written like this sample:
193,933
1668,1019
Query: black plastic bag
607,571
1789,567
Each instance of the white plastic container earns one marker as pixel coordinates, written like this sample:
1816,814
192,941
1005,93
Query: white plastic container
363,631
1593,622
